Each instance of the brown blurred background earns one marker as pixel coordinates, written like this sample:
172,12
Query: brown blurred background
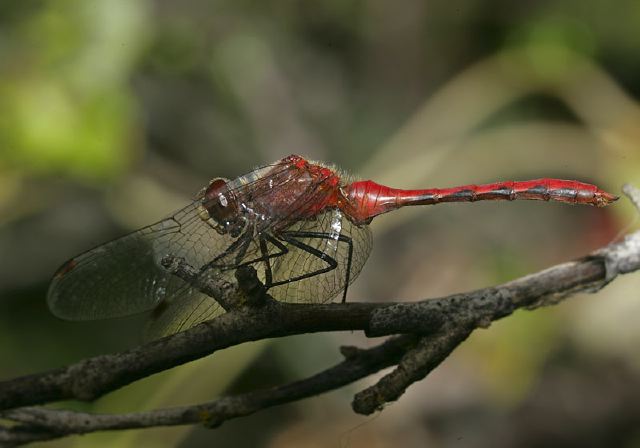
113,113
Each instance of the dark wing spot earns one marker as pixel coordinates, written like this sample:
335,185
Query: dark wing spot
65,268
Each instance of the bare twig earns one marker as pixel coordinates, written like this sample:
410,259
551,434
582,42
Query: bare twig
417,362
432,328
248,291
226,294
53,423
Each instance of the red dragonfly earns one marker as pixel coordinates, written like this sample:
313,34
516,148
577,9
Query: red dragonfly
303,226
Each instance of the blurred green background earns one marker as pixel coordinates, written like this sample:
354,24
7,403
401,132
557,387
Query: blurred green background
114,113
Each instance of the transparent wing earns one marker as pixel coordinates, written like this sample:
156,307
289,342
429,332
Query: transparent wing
189,307
125,277
184,310
331,234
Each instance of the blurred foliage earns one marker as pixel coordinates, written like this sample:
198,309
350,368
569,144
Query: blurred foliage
64,86
112,113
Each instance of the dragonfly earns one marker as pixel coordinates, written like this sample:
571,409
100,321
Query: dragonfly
302,225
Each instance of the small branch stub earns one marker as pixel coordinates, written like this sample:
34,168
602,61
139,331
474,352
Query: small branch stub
254,290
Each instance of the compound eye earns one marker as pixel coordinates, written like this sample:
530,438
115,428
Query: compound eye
219,203
216,192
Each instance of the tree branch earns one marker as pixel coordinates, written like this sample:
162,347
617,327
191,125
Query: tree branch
431,329
53,423
416,363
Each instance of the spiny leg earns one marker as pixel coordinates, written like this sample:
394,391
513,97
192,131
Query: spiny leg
263,250
289,236
331,262
265,256
268,274
242,243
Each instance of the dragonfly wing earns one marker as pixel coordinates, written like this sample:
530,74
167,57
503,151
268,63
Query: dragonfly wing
185,310
190,307
330,234
125,277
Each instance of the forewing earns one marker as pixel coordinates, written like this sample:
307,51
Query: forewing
125,276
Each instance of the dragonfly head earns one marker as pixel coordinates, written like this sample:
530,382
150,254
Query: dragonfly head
219,207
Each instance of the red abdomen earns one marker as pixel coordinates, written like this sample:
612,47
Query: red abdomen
365,199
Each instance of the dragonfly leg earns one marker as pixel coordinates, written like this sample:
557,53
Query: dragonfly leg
266,256
268,274
242,243
290,237
321,235
331,262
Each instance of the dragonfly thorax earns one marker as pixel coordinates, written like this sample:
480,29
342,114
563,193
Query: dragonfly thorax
219,208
